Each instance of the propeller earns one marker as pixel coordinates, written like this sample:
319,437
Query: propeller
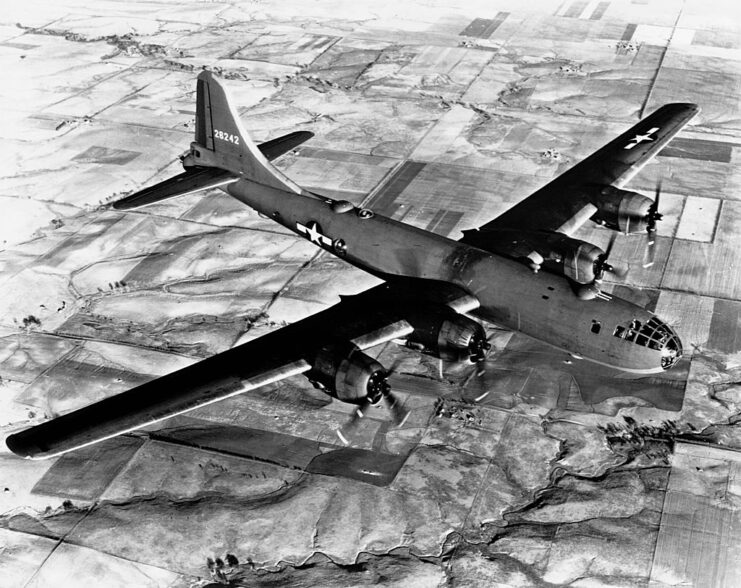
652,217
378,389
392,402
602,265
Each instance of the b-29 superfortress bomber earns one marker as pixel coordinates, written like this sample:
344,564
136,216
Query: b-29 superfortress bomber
523,271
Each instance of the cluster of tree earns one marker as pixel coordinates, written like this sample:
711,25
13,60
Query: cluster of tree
460,411
652,441
221,569
31,321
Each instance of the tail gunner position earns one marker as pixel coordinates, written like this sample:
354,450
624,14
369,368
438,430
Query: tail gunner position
523,271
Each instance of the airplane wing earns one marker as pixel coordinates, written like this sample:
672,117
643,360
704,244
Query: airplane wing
361,321
565,203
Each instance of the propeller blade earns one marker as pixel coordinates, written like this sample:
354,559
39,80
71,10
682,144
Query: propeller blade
650,255
610,245
349,427
653,214
398,413
652,218
658,196
601,266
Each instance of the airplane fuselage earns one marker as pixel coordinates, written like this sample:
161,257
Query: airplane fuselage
612,331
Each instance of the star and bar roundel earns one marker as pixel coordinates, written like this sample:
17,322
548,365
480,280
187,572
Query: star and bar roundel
313,231
638,139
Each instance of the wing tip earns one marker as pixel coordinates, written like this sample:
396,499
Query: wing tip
689,107
123,204
16,445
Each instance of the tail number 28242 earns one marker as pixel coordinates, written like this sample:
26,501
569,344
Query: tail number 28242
226,136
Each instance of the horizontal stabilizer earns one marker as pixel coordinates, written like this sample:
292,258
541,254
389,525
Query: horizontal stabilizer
195,179
191,180
276,147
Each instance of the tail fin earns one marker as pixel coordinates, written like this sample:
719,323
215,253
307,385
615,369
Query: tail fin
222,142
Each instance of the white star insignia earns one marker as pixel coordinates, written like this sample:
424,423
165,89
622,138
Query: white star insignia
641,138
313,234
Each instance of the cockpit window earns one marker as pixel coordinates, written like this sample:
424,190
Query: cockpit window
654,334
633,330
642,334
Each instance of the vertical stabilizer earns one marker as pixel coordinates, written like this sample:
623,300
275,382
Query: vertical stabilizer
222,142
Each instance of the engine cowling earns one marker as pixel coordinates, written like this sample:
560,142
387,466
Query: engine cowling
561,254
622,210
346,373
452,337
579,261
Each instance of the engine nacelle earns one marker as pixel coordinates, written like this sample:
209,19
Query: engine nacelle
579,261
561,254
621,210
452,337
348,374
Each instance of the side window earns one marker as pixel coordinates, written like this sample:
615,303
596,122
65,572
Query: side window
596,326
619,332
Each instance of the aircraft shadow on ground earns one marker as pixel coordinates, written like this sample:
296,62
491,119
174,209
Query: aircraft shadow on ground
83,474
524,372
528,371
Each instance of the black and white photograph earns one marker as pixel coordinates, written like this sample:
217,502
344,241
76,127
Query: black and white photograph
410,293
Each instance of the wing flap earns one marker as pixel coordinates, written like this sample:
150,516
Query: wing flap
386,333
